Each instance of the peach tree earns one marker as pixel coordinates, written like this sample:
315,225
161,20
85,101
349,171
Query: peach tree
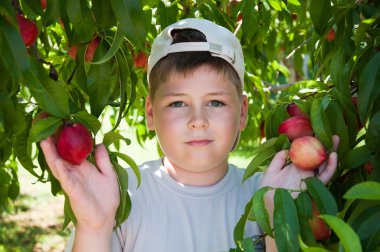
83,61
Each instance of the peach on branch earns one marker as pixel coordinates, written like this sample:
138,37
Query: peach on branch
140,60
294,110
28,30
295,127
307,152
319,228
331,35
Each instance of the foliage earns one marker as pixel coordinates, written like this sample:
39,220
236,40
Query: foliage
289,58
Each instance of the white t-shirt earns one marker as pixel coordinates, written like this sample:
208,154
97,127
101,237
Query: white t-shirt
168,216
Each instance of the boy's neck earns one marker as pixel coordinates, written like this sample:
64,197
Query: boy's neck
191,178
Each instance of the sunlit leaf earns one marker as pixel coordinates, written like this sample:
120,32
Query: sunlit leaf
369,190
347,236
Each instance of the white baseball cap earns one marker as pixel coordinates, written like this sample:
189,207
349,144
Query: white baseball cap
220,43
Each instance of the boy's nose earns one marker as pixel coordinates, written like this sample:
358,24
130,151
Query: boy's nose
198,121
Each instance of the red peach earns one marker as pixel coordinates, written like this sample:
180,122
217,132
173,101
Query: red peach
295,127
28,30
294,110
307,153
140,60
331,35
74,143
319,228
91,48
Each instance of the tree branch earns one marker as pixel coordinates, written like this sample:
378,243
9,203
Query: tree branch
297,48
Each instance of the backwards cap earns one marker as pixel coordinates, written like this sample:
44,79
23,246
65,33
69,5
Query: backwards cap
220,43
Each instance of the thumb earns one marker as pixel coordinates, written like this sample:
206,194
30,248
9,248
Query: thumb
103,160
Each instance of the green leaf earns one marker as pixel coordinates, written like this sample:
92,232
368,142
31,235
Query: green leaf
369,190
277,5
285,221
259,209
82,19
131,163
99,85
251,21
20,148
112,136
372,138
274,119
247,245
104,16
124,207
240,226
361,30
338,127
364,220
122,77
260,158
322,196
44,128
52,13
51,96
12,49
306,248
304,211
368,86
166,15
131,17
88,120
116,43
356,157
14,188
320,14
68,213
348,237
320,122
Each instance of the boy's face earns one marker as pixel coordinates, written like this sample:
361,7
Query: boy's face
197,119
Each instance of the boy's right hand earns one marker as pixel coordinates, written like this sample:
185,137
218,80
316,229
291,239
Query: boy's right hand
93,191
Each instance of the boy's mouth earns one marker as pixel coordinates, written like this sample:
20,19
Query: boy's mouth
198,142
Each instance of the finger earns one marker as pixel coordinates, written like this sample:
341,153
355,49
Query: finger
332,163
278,162
336,141
50,153
103,160
55,163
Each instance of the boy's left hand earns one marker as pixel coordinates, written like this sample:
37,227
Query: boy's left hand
290,177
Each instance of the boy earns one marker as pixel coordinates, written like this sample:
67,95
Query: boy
191,199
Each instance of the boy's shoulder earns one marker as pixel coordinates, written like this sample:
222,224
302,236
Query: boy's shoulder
145,170
252,182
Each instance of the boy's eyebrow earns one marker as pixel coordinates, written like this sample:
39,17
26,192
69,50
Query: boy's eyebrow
219,93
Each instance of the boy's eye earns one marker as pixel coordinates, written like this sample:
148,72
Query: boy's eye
177,104
215,103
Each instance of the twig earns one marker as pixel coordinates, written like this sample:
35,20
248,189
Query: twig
238,27
53,72
72,75
297,48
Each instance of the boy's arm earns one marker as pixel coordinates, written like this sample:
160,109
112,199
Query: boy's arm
87,239
93,193
270,244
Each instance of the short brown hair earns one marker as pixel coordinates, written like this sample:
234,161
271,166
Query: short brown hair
186,63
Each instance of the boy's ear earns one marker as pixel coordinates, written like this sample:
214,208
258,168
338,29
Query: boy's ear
244,112
149,113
